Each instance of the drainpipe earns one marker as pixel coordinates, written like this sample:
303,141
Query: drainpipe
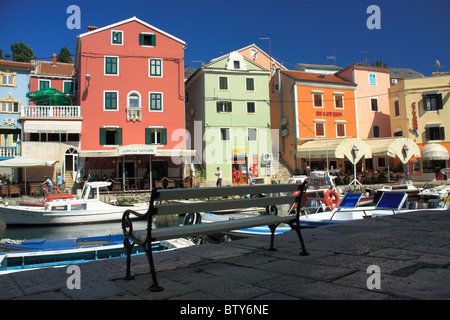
281,110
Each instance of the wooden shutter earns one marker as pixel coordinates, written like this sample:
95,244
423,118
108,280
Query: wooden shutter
439,101
141,39
148,135
102,136
119,136
441,133
163,136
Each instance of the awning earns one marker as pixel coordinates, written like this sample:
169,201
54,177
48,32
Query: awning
403,148
434,151
137,150
351,148
45,126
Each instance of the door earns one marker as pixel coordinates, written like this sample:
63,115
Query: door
240,164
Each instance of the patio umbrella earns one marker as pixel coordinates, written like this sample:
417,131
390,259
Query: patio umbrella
49,97
23,162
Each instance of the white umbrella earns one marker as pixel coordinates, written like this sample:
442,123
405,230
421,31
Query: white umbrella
23,162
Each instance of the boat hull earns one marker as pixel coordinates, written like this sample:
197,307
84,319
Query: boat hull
19,216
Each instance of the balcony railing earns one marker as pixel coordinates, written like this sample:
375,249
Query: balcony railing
50,111
134,114
9,152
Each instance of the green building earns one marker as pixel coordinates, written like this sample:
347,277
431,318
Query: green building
228,118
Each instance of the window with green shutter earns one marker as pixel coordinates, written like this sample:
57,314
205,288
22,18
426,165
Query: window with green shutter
111,65
223,83
116,37
110,136
147,39
250,84
155,67
156,103
155,136
44,84
110,100
68,87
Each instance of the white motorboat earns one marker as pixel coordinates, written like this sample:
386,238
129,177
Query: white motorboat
89,208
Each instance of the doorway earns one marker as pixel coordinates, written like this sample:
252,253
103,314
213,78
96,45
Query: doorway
240,164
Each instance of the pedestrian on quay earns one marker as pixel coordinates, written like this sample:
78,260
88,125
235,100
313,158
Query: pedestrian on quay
219,177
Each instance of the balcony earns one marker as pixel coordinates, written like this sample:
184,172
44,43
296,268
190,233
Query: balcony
50,112
134,114
9,152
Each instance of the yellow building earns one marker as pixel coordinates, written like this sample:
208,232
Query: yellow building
420,110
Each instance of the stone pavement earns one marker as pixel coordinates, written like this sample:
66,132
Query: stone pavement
411,250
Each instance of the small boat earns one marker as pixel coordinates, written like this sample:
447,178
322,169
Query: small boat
404,186
55,252
89,208
49,198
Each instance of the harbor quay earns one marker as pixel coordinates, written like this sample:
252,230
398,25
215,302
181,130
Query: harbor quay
399,257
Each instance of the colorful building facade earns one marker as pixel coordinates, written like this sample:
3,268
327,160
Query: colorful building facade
131,92
228,117
420,111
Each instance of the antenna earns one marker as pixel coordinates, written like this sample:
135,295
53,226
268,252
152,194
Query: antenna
365,53
333,57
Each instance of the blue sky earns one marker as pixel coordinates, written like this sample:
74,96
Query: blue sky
413,33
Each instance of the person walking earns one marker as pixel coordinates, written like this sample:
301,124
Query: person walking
219,177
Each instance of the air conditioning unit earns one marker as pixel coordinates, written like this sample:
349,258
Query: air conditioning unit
266,158
284,122
284,132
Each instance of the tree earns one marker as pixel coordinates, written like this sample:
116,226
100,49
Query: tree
380,63
64,55
21,52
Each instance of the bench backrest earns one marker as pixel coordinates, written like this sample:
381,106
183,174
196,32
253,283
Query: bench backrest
274,195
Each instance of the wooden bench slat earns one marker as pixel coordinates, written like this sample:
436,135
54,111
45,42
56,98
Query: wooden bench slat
208,206
210,192
213,227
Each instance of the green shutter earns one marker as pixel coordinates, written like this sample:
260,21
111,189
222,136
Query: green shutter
141,39
102,136
148,136
163,136
153,40
119,136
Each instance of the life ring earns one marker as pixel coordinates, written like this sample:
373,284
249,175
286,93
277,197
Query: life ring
331,199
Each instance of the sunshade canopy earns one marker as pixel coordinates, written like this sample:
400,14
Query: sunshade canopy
401,147
22,162
49,97
351,148
434,151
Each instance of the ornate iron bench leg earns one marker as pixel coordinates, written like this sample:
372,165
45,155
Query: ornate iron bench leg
296,224
128,247
272,228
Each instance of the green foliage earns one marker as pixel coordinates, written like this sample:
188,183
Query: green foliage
21,52
64,55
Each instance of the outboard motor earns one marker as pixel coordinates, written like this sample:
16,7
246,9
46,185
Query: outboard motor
192,218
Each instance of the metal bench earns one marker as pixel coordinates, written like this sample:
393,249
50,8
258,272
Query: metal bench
274,200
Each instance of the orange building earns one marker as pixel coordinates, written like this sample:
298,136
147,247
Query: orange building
308,106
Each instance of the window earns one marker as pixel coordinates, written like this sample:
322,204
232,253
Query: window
224,134
319,127
338,101
9,106
374,104
155,135
116,37
111,136
224,106
317,100
69,87
432,102
397,108
340,129
250,84
8,79
110,101
134,100
251,107
223,83
236,64
434,133
44,84
376,131
252,134
398,133
147,39
372,79
155,67
156,103
111,65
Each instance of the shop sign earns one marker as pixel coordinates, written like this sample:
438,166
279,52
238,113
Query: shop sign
240,152
329,114
137,149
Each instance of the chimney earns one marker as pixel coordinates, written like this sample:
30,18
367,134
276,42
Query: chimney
92,28
54,56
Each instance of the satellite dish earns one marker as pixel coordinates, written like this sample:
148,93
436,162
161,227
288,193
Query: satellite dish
438,64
